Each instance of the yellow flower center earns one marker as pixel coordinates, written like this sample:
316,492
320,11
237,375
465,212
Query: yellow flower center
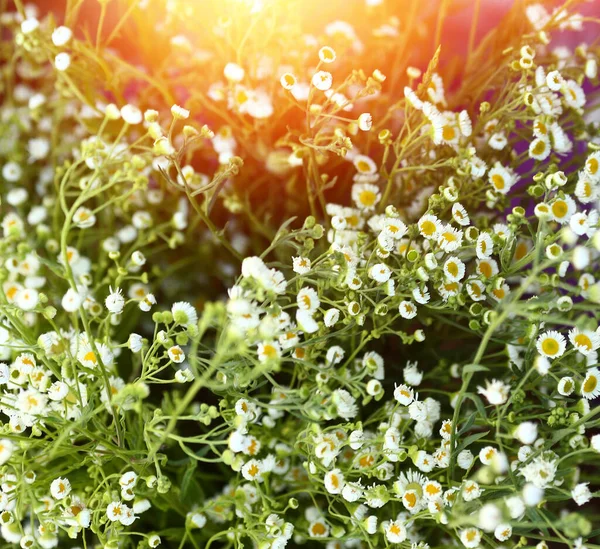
539,147
428,228
367,198
318,529
560,209
498,181
448,133
581,340
485,269
590,384
550,346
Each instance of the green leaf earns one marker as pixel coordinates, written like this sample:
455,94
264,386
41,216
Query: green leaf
478,404
472,368
469,440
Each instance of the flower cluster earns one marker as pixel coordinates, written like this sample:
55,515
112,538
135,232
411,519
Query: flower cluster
369,325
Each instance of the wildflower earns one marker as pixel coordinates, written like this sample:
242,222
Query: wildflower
590,388
566,386
176,354
268,351
318,529
322,80
429,226
365,121
12,172
331,317
288,81
380,273
26,299
62,61
501,178
60,488
470,537
495,391
61,36
301,265
581,493
526,432
115,302
539,149
184,313
562,209
345,404
84,218
233,72
365,165
551,344
131,115
585,341
179,112
334,481
253,469
327,54
115,511
454,269
395,531
6,450
503,531
449,239
147,302
308,300
404,394
407,309
459,214
29,25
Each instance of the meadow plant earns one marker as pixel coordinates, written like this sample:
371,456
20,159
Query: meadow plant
259,290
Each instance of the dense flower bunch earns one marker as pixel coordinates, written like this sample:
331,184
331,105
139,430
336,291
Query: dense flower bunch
411,361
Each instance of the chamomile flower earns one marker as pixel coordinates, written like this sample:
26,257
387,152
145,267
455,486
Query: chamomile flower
395,531
429,226
407,309
268,350
449,239
590,388
365,121
585,341
301,265
26,299
176,354
60,488
495,391
288,81
84,218
454,269
322,80
115,302
327,54
404,394
308,300
501,178
334,481
460,215
581,494
364,165
562,209
551,344
184,313
234,72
